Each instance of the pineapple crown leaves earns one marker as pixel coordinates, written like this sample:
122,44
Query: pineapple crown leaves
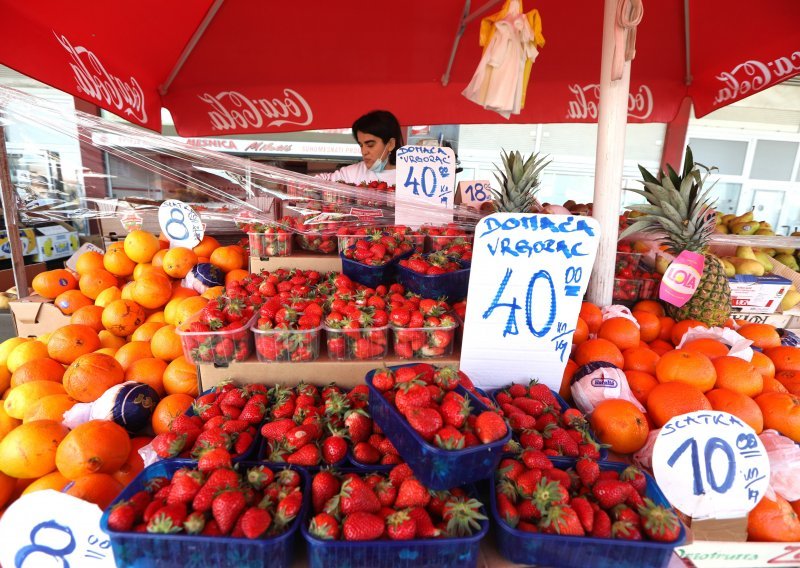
522,175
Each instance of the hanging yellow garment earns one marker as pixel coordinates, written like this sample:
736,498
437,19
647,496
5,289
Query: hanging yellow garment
488,29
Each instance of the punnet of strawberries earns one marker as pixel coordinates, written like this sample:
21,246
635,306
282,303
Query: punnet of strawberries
447,237
245,501
222,424
286,334
378,248
269,239
393,506
433,264
538,421
357,326
314,235
422,328
219,333
427,398
535,495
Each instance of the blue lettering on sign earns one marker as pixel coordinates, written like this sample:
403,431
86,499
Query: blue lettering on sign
523,248
702,419
537,223
712,445
25,551
572,290
476,192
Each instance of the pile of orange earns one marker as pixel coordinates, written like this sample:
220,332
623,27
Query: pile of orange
124,307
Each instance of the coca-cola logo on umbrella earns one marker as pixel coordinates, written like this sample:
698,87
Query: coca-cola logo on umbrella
95,82
754,75
231,110
585,99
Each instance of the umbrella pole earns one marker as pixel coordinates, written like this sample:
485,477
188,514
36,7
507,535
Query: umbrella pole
10,216
611,122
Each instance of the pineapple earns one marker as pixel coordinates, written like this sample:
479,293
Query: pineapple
519,181
680,214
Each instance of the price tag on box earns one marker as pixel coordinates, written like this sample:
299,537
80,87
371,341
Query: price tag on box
180,224
425,191
529,274
474,193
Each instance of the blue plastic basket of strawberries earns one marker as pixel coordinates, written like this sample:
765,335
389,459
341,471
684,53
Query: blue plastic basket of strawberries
371,260
175,512
444,431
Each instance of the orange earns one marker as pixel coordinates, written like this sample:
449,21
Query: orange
592,315
122,317
790,380
741,406
649,325
152,291
133,464
179,292
29,451
598,350
566,380
167,409
71,341
91,316
681,327
96,446
660,346
95,282
45,369
88,261
107,296
133,351
141,246
166,344
51,283
620,424
228,258
687,367
581,332
180,377
784,358
640,359
7,423
117,262
217,291
178,262
21,398
53,480
91,375
98,488
763,336
668,400
620,331
7,346
70,301
651,306
771,384
738,375
24,353
187,308
206,246
711,348
7,486
781,412
126,293
50,407
5,379
641,384
149,371
110,341
773,520
667,324
158,258
764,364
146,331
147,268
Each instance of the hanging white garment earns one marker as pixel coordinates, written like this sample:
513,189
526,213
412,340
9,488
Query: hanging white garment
498,82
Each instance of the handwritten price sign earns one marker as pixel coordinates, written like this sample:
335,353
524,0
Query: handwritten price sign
710,465
180,223
48,528
425,185
474,193
529,274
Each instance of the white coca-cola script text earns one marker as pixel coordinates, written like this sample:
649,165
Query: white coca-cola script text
586,98
753,75
231,110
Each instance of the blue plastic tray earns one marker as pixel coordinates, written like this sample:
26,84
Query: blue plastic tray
578,551
453,285
427,553
371,276
564,405
141,550
434,467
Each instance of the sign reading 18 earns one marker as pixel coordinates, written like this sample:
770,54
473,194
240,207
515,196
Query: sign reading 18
428,187
477,192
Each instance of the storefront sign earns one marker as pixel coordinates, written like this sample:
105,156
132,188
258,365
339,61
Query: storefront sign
48,528
474,193
529,274
180,224
710,465
425,185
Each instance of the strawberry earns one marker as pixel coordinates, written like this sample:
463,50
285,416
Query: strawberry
288,508
242,444
399,473
585,512
527,482
140,500
386,492
361,526
412,394
306,456
169,444
219,480
215,458
534,459
401,526
455,410
168,519
425,526
530,438
259,477
636,478
324,527
659,523
625,530
324,486
602,524
490,427
365,453
277,429
625,513
185,485
255,522
194,523
359,425
122,516
507,511
588,471
334,449
462,515
412,493
589,450
541,392
226,508
529,406
610,493
562,519
426,421
449,438
356,496
549,494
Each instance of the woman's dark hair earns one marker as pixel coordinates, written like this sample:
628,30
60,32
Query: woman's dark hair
384,125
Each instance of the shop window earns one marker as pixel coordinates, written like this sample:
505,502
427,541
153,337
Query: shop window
773,160
726,155
726,195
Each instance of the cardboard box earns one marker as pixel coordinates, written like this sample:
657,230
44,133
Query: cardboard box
35,316
28,238
318,262
758,294
778,319
72,262
55,241
319,372
31,270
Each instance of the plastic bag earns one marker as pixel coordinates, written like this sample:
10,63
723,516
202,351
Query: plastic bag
617,311
644,457
739,346
784,463
598,381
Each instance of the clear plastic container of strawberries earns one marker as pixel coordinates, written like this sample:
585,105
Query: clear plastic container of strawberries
220,332
446,237
423,328
270,239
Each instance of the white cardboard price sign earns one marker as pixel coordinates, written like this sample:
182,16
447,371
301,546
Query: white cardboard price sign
425,186
474,193
180,224
529,274
48,528
710,465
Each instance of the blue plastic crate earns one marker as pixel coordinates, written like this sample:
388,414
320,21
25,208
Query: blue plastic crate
145,550
371,276
422,553
434,467
564,406
452,285
577,551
